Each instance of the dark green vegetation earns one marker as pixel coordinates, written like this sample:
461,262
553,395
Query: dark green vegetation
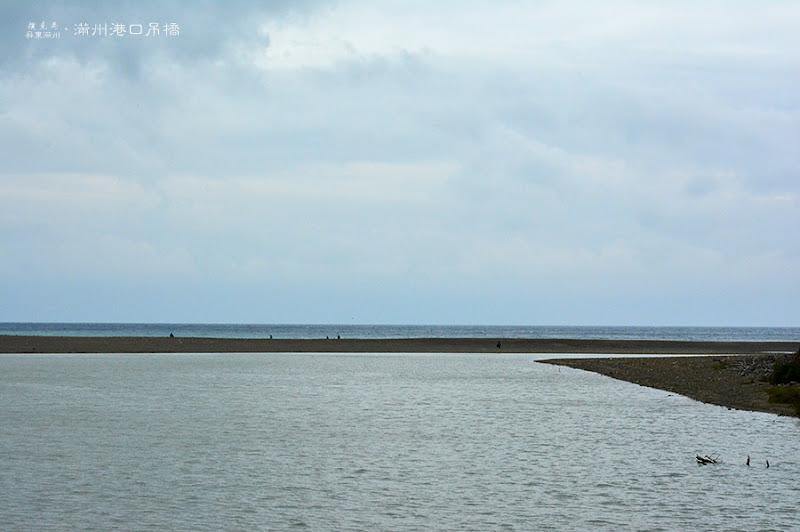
783,374
789,395
787,372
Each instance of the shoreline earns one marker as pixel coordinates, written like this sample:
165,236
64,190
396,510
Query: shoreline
734,381
728,374
18,344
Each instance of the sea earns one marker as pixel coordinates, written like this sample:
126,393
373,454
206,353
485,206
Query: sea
221,330
376,441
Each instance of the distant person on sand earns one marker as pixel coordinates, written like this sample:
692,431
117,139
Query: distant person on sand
498,345
171,335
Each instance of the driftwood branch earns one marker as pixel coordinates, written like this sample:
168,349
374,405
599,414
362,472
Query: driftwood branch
703,460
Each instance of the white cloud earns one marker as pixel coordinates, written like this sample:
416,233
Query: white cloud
64,200
528,33
411,152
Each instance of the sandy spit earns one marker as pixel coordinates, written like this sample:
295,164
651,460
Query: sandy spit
128,344
731,381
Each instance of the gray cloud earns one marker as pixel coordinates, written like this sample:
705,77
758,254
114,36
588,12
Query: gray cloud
295,150
208,31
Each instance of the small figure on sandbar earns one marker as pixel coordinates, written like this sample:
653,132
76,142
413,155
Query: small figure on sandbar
498,345
171,335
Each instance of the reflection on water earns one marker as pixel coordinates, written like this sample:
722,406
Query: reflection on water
391,442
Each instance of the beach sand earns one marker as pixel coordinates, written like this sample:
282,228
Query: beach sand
133,344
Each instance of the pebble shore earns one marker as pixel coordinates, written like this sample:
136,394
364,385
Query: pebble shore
738,382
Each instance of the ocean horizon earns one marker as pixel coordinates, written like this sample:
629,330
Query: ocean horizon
311,331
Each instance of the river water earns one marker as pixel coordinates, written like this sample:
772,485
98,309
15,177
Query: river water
375,442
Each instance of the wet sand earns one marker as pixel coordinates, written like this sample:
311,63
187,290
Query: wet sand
132,344
731,381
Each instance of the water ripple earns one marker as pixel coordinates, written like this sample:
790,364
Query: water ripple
390,442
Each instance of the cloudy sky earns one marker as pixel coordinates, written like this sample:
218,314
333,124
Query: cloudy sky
470,162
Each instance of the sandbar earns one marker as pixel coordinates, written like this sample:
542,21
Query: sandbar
149,344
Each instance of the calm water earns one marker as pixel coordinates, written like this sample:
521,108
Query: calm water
789,334
375,442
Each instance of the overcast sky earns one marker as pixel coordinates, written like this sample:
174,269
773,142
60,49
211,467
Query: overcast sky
567,163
